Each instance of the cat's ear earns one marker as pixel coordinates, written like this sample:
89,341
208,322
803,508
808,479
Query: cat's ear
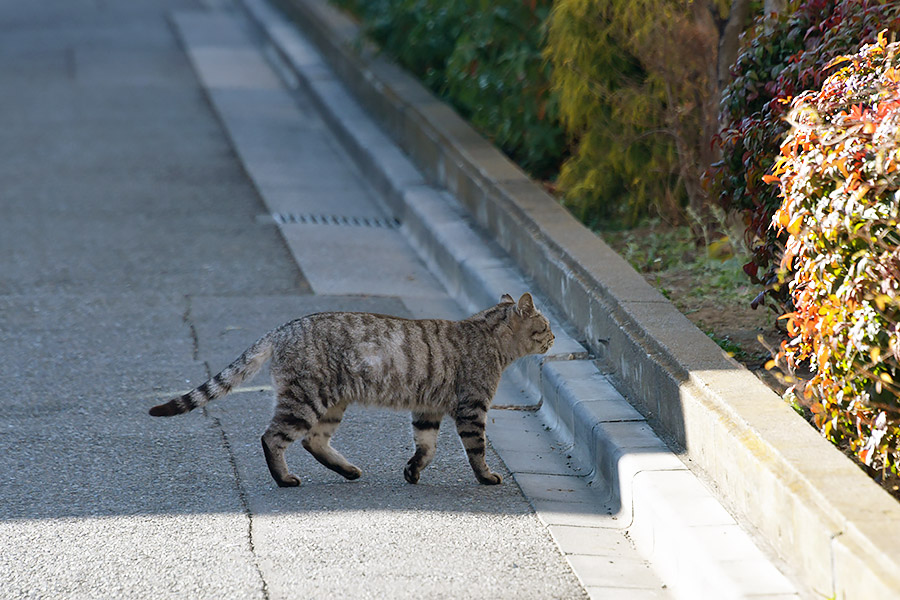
526,305
507,299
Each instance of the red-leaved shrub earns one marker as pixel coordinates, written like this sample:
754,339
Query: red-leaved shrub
781,57
839,175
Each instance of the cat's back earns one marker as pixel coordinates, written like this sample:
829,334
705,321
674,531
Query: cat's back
370,343
371,358
344,328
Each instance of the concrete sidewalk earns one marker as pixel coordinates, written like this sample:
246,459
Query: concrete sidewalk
144,244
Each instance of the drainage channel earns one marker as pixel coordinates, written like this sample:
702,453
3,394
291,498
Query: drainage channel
285,218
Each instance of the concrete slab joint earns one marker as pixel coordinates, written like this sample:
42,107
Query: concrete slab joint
727,425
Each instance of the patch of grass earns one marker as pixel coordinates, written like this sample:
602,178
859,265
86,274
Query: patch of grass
725,278
714,266
725,343
735,350
653,247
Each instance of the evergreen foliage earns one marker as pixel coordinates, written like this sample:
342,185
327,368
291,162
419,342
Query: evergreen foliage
485,59
625,89
613,170
498,79
638,86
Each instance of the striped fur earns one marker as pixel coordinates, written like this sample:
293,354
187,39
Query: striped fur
321,363
244,367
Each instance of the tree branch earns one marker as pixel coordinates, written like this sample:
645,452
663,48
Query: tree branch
730,38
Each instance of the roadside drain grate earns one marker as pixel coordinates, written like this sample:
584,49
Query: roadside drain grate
309,219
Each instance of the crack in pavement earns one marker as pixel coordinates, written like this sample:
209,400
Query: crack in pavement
242,495
229,452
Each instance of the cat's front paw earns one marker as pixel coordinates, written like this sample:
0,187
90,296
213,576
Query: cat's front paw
410,474
490,478
288,481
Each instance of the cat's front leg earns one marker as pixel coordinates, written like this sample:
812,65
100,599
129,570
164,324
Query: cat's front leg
274,443
318,443
470,428
425,432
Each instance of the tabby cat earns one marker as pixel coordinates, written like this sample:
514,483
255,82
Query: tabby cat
323,362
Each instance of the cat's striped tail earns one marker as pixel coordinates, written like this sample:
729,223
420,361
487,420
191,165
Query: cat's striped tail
244,367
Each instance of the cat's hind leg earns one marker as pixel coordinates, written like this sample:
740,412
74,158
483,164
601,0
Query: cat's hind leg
470,427
294,417
318,443
425,431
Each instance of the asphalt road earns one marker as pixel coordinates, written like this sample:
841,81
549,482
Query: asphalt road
135,261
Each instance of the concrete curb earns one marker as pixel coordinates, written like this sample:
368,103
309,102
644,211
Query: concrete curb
830,522
672,518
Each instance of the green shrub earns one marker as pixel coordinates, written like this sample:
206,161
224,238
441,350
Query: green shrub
485,59
420,34
780,58
839,174
634,83
498,79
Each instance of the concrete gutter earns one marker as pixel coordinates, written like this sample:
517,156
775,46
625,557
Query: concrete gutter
836,528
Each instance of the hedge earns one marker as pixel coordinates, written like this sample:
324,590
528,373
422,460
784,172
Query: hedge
781,57
839,174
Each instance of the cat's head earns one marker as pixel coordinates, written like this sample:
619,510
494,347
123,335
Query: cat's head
530,329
